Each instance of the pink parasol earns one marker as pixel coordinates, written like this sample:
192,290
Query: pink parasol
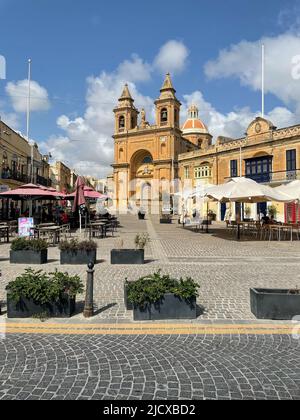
89,194
30,191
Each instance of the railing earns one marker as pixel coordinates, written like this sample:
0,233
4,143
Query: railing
273,177
276,177
40,180
15,176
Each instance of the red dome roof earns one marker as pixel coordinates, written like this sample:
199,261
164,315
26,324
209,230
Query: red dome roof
193,124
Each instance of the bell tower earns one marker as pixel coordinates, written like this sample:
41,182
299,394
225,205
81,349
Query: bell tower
168,106
126,114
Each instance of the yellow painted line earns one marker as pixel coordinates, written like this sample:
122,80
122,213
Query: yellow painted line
146,329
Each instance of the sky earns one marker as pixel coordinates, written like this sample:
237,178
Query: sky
83,52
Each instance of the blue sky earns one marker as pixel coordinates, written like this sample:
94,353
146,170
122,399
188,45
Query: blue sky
70,41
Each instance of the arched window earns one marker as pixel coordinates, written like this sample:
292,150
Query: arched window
122,122
163,148
176,116
121,154
164,115
147,160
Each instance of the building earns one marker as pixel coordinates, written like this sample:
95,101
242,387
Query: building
61,177
266,154
16,162
146,156
99,185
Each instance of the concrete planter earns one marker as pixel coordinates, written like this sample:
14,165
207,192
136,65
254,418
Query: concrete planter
169,308
81,257
127,257
165,221
27,308
141,216
274,304
29,257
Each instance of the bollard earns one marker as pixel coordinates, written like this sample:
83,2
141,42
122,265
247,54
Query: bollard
89,298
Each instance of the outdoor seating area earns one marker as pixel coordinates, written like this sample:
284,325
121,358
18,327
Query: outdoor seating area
265,232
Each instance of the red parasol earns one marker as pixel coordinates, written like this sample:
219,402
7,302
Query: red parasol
30,191
78,196
89,194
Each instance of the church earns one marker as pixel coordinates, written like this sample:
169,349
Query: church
147,156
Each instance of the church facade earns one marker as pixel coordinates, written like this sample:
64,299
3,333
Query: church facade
146,156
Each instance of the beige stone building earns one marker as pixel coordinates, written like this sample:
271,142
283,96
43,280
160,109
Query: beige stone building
266,154
15,161
61,177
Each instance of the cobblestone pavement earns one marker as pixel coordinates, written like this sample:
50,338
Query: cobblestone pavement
149,367
108,357
225,269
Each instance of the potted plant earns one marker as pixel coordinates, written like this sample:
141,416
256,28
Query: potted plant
141,214
247,213
131,256
78,253
36,293
272,210
212,217
275,304
25,251
166,219
160,297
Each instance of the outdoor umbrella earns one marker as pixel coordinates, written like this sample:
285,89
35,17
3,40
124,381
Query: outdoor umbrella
79,199
291,190
89,194
245,190
30,192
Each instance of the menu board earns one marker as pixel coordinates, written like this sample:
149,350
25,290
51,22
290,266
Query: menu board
26,225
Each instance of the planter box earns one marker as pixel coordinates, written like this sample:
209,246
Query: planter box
165,221
127,257
141,216
26,308
29,257
127,304
78,257
274,304
170,307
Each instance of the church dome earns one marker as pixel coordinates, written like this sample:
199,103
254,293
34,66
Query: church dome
193,124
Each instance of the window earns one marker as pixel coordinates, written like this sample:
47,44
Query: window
147,160
164,115
187,172
176,117
121,122
260,169
291,160
234,169
202,172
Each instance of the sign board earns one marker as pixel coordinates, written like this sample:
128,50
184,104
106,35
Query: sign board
4,188
25,227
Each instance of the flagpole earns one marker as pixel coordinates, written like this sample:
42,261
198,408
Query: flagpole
263,81
28,130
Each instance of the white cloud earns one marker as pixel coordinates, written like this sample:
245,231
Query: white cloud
18,93
87,143
243,61
172,57
135,70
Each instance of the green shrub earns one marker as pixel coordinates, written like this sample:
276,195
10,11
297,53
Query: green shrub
151,289
23,244
74,245
43,288
141,240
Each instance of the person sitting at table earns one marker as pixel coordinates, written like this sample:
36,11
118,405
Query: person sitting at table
64,218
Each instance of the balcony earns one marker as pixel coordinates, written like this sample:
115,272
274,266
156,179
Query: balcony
7,174
273,178
43,181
